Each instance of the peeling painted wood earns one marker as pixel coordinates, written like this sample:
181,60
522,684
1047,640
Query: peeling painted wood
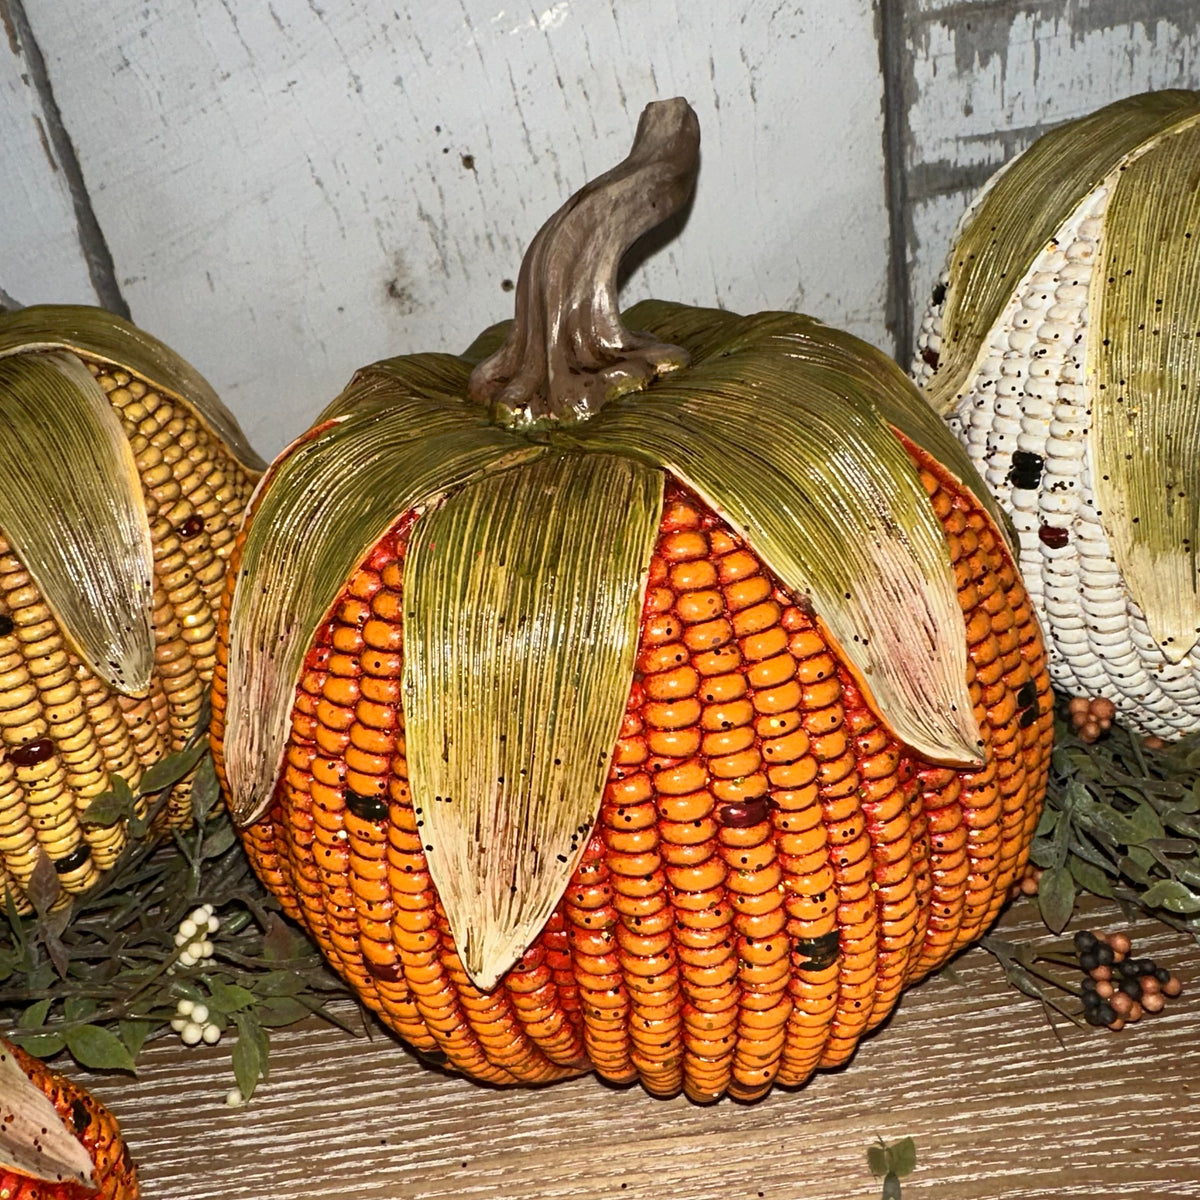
292,189
984,78
40,255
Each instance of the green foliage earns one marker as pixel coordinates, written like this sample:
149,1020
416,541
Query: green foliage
1121,821
102,976
892,1163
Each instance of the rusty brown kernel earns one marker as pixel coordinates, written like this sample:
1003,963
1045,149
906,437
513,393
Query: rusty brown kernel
192,527
32,753
1053,536
744,814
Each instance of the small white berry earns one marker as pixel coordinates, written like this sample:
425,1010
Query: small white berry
180,940
200,1013
211,1034
177,1023
200,915
205,949
234,1098
187,929
191,1033
184,1007
214,923
187,959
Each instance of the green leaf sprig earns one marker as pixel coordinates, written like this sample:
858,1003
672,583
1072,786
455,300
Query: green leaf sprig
103,975
1122,820
892,1163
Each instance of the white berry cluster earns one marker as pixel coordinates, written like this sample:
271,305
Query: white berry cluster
192,1024
193,935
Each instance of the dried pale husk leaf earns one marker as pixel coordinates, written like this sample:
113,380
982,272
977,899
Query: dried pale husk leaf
71,505
1144,357
523,596
842,354
322,506
33,1139
98,335
1022,213
802,464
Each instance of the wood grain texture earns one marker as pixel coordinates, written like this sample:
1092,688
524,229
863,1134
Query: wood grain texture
40,253
968,1067
984,78
293,189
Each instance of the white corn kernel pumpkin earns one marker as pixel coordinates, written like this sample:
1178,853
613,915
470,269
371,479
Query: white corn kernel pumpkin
1063,347
122,480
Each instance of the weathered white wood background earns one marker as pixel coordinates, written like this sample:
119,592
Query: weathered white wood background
284,190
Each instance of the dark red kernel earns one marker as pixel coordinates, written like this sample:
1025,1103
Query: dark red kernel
1053,536
387,972
32,753
192,527
743,814
930,357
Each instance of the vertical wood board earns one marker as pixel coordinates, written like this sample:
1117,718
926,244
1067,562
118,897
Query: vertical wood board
290,190
40,256
985,79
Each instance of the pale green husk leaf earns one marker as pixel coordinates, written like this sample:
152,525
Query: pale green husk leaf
33,1139
322,506
522,615
1023,211
892,392
798,459
98,335
71,506
1144,355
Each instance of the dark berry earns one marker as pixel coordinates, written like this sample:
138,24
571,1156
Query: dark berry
1132,988
1145,966
1104,955
1129,969
1085,940
1107,1014
1162,974
1089,960
1089,986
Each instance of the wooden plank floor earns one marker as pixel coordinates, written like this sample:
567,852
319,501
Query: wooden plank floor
967,1067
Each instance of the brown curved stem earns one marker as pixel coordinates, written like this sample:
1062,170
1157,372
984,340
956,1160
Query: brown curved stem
568,352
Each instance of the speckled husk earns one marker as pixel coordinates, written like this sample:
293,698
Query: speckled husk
94,1127
64,732
769,869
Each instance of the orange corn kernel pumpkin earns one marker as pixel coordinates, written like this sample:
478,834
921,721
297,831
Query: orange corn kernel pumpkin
654,703
56,1141
122,479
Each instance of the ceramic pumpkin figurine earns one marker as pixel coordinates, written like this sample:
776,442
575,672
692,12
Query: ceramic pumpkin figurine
1063,346
649,703
56,1141
122,478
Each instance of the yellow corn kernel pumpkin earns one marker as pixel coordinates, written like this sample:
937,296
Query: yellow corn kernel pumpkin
1063,347
659,704
56,1141
122,480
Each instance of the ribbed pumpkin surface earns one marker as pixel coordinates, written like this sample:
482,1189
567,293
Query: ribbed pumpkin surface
66,733
769,869
93,1126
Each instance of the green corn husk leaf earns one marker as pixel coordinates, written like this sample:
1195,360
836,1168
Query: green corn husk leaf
829,500
1025,209
33,1139
335,493
523,596
98,335
71,506
1144,352
842,355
